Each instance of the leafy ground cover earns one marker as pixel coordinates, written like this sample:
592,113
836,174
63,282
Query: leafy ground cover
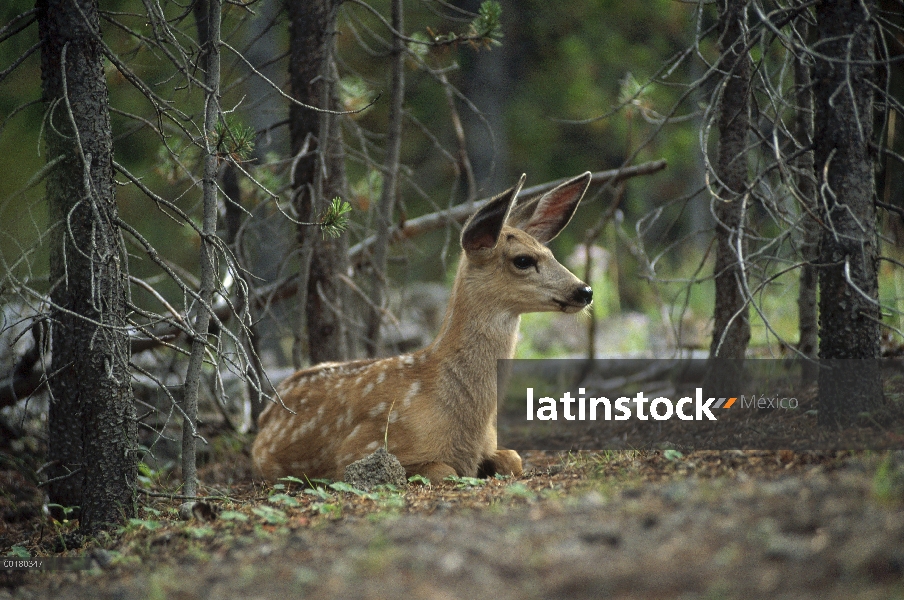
620,524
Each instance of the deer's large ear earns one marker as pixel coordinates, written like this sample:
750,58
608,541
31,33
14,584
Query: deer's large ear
546,216
482,229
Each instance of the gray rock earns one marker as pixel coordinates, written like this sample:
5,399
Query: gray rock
374,469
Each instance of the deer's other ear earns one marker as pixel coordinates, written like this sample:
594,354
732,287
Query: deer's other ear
482,229
546,216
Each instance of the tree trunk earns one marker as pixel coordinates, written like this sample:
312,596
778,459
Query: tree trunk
390,183
92,425
849,315
319,176
731,332
486,80
267,238
208,17
806,188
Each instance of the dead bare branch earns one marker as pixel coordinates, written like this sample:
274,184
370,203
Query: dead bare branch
460,213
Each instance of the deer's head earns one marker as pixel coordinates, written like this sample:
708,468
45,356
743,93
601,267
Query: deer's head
506,262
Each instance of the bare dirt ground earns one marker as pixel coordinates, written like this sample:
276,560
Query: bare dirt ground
627,524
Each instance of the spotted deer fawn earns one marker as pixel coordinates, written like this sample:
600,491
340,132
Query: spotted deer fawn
439,403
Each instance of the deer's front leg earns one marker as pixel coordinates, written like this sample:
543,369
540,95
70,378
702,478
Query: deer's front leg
502,462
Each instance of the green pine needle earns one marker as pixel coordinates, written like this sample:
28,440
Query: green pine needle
487,25
335,218
483,32
233,138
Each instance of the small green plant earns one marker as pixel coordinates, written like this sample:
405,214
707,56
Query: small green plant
136,524
419,479
320,492
200,533
146,475
331,509
888,482
519,490
466,482
388,488
605,456
67,510
19,552
233,515
284,499
393,501
292,479
341,486
672,455
273,516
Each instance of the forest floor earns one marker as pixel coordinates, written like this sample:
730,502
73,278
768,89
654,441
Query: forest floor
629,524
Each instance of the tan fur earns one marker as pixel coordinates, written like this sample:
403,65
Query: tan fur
439,402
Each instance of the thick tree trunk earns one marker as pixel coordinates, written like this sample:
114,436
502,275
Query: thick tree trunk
319,176
849,315
486,80
731,332
390,182
806,188
92,426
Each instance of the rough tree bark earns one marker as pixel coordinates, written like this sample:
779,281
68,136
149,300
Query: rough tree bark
805,180
390,182
486,78
318,176
731,332
849,316
92,426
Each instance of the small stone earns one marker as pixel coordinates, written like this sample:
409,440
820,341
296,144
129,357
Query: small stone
375,469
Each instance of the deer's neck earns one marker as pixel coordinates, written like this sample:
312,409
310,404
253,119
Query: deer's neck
488,336
473,336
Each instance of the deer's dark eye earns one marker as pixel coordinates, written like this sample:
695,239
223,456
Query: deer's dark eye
524,262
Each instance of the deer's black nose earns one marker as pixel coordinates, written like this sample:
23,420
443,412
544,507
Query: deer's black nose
584,294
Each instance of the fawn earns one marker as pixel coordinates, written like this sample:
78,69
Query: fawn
439,403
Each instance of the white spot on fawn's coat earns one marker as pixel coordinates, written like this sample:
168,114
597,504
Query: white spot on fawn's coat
411,393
